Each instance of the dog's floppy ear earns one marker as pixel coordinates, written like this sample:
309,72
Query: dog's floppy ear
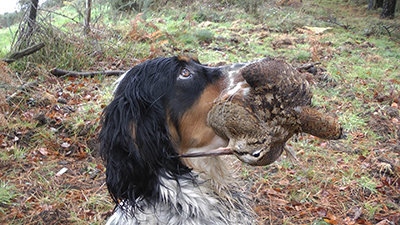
134,139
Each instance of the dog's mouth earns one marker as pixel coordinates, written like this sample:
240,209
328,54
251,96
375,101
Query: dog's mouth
214,152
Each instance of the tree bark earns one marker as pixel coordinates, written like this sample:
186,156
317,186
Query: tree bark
32,14
86,30
388,9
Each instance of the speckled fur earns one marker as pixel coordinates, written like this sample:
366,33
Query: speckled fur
193,202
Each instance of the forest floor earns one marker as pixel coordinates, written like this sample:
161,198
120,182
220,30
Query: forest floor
50,169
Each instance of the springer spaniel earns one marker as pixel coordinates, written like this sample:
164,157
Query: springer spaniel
158,113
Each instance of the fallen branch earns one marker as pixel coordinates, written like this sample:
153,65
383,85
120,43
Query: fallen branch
66,73
17,55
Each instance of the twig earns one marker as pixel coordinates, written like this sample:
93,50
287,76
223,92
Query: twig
59,73
59,14
84,195
21,88
387,29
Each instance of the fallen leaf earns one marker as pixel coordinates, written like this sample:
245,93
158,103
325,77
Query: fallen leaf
330,221
100,167
259,209
321,212
348,221
43,151
383,222
87,97
330,218
277,189
65,145
323,144
358,212
284,182
343,188
278,201
81,155
295,203
273,192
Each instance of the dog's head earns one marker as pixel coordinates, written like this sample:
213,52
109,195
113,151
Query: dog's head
159,111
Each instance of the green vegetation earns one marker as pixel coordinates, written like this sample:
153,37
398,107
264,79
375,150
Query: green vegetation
7,194
53,123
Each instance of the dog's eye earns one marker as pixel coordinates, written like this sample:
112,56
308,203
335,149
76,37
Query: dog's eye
185,74
256,154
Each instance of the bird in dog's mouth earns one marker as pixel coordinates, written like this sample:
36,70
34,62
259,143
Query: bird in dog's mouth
259,118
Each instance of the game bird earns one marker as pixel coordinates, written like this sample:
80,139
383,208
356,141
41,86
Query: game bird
272,105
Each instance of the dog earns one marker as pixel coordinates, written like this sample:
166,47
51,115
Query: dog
159,113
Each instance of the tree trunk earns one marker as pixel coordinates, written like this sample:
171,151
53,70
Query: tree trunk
388,9
375,4
32,14
86,30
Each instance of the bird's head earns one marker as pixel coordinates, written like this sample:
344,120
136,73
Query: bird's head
256,151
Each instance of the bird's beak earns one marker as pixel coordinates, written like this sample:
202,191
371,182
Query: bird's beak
214,152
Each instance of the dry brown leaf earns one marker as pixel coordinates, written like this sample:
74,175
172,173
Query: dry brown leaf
43,151
321,212
278,201
384,222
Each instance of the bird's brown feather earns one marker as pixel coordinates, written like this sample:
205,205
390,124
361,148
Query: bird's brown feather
259,122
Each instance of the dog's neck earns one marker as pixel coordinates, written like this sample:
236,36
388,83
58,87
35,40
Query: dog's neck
213,168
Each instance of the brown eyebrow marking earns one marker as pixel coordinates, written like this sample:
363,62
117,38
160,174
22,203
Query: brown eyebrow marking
188,58
184,58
